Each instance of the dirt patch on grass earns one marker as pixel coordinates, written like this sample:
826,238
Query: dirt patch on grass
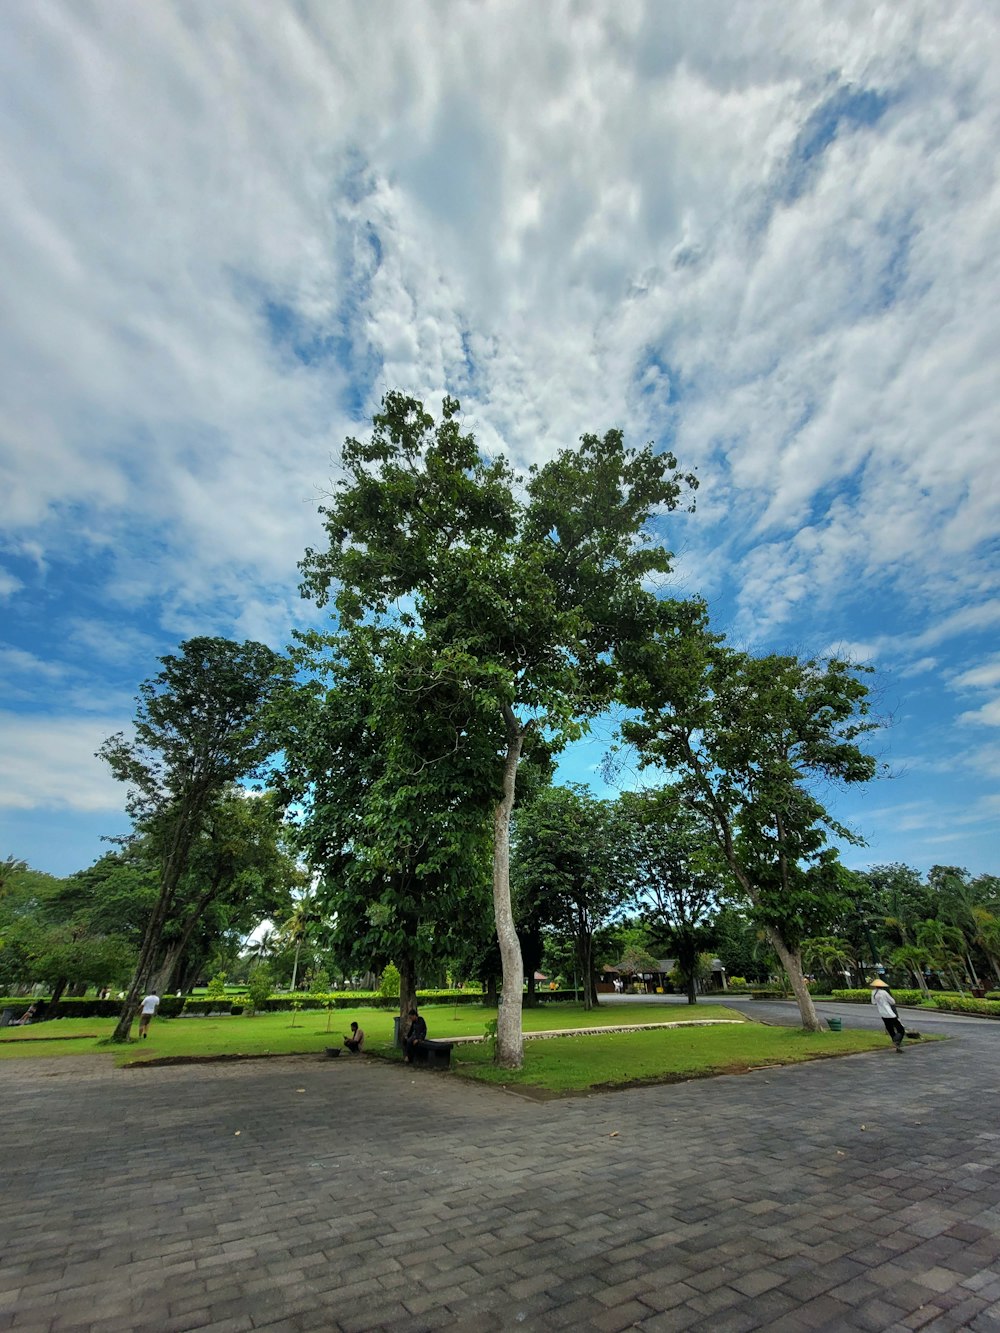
159,1061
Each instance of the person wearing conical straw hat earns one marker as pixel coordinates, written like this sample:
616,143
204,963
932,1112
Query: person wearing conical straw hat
885,1007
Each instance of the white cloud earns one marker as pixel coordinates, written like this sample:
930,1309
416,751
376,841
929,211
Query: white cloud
984,676
16,662
763,234
499,183
50,763
987,715
9,584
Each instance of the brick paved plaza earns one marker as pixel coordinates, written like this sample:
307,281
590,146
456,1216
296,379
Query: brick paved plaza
861,1193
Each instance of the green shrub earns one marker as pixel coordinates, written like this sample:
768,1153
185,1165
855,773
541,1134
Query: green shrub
736,983
284,1004
259,988
864,996
89,1007
388,986
450,997
218,1006
217,986
490,1037
964,1004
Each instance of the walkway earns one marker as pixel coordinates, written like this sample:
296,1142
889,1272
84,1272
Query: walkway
861,1193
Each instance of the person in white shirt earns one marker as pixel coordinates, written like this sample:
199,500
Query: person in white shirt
149,1007
355,1043
885,1006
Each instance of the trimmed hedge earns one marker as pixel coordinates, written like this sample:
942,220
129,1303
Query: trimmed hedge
965,1004
170,1007
221,1005
363,1000
864,996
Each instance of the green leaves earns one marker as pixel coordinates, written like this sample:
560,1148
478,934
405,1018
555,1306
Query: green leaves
748,740
206,719
481,612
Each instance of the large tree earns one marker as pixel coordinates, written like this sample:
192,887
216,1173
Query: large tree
750,740
53,932
527,588
567,856
674,866
202,723
240,870
374,761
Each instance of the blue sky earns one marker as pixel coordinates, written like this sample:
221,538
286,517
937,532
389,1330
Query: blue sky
763,235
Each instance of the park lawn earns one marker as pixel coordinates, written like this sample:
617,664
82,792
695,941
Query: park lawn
311,1030
182,1038
576,1064
557,1065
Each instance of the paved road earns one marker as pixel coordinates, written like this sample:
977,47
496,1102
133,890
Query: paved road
861,1193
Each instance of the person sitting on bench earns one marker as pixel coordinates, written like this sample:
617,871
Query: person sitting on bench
27,1017
355,1043
416,1031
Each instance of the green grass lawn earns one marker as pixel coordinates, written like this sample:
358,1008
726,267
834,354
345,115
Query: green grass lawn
575,1064
308,1031
563,1064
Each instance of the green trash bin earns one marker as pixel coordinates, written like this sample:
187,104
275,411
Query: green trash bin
834,1024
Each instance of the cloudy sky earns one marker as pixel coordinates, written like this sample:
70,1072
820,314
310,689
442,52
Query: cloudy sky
762,234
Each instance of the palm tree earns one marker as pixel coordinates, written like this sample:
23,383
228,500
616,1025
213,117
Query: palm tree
305,915
946,945
914,959
987,928
958,901
829,954
266,945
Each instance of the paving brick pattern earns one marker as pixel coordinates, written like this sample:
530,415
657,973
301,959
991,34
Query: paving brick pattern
300,1193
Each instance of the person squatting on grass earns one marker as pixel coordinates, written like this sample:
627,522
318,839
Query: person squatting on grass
355,1043
885,1006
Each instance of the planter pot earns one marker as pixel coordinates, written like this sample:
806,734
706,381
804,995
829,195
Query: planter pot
333,1052
835,1024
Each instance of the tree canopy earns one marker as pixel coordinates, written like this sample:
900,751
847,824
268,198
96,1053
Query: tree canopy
748,739
522,589
205,721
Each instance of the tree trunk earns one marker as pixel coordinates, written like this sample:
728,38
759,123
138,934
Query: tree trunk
182,836
791,961
530,998
510,1038
490,991
174,952
168,966
407,991
58,990
692,987
586,954
921,981
144,967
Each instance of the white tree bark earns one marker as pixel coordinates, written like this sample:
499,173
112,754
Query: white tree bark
510,1038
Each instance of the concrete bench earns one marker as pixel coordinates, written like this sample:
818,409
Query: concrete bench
432,1053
